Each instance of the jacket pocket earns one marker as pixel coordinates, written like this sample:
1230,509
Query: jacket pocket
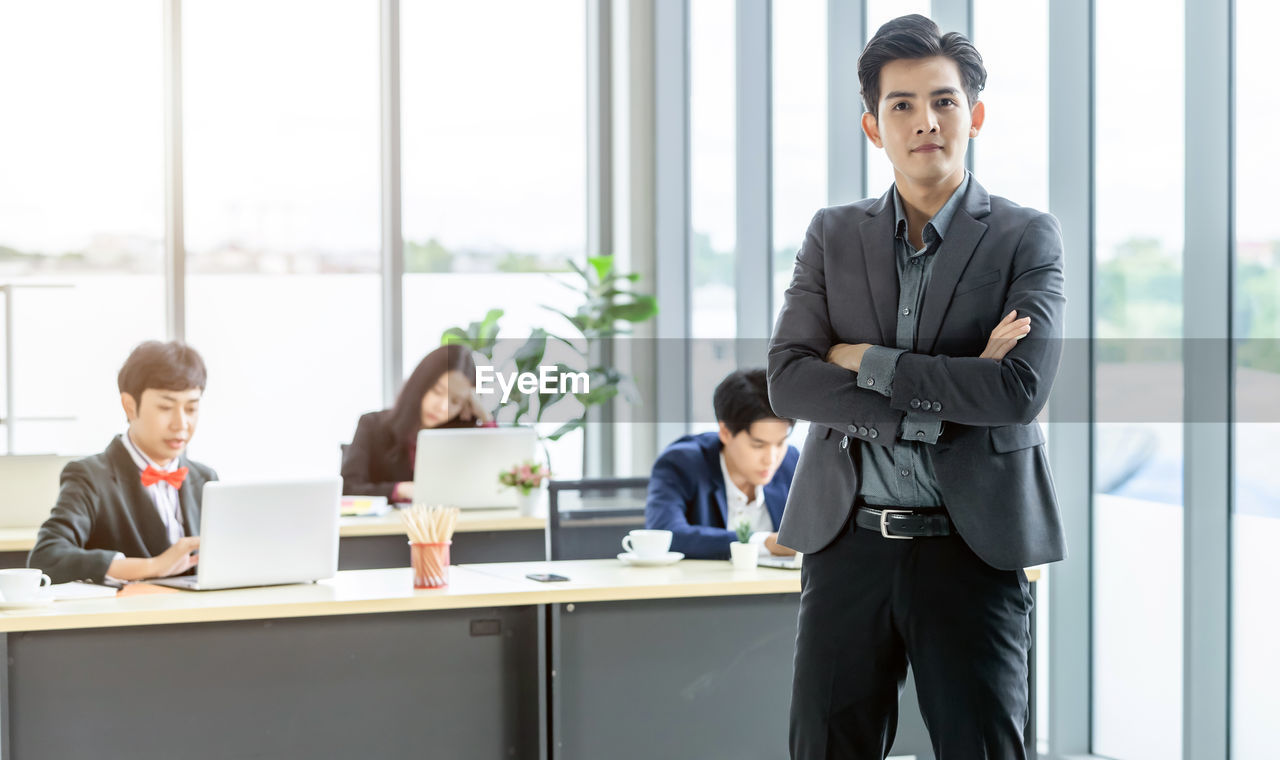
1008,438
977,281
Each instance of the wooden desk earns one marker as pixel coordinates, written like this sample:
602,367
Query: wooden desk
328,670
483,535
619,662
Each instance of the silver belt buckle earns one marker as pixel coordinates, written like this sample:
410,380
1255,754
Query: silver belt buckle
884,514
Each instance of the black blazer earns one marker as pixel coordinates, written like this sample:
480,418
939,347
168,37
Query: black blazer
375,461
102,509
990,460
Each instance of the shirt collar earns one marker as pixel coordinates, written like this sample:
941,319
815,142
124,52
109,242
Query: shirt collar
142,460
731,489
940,220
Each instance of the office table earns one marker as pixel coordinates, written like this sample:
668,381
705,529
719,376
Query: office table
482,535
689,660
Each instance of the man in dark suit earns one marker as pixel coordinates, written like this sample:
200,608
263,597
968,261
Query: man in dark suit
702,486
133,511
920,334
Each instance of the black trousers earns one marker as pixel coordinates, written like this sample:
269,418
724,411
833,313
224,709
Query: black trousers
868,606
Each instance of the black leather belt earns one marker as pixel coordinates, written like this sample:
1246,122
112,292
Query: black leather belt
904,523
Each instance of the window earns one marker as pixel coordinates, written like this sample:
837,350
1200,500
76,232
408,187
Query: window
282,228
81,210
799,130
713,216
1139,378
1256,519
494,171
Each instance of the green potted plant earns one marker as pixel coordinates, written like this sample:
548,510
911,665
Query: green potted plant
608,306
742,552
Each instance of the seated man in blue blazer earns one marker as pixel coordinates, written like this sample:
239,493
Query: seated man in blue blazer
703,486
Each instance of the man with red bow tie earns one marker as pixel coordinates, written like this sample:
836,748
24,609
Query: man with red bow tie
133,511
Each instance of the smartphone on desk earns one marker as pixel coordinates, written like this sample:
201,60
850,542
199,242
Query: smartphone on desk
546,577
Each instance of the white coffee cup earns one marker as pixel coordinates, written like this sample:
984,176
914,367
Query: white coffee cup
22,584
647,544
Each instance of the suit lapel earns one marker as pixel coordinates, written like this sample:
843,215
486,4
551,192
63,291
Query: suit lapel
142,510
950,260
881,265
187,499
718,489
775,498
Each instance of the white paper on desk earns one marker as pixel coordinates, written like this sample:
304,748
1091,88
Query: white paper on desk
80,590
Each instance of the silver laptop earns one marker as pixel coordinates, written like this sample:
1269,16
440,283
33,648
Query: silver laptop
459,468
265,534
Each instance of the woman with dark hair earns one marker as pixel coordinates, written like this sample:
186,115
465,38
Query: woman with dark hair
439,394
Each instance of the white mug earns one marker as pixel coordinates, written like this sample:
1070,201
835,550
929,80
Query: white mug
22,584
647,544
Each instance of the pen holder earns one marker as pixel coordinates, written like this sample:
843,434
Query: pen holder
430,564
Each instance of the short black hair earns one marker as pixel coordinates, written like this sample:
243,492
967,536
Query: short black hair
913,37
172,366
743,398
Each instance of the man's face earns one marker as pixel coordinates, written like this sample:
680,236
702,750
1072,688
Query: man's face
924,121
162,422
756,452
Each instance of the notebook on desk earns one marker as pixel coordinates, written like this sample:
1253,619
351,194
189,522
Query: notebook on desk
265,534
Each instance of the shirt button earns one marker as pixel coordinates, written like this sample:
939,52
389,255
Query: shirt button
919,434
871,381
906,312
904,473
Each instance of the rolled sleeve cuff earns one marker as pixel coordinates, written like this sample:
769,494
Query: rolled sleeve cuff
916,427
879,363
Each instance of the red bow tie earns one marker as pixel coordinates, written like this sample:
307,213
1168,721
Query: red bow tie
151,476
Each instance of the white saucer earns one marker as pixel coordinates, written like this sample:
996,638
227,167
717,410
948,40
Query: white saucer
630,558
29,604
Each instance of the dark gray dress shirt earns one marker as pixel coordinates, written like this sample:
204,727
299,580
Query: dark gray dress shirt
902,476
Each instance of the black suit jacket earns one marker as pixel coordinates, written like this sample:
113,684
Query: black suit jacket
990,461
102,509
375,461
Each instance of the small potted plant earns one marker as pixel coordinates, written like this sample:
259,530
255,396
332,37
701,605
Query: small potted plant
526,478
742,552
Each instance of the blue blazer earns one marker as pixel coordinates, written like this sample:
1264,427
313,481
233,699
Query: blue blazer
687,496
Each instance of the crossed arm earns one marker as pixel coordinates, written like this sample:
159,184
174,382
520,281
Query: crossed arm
814,376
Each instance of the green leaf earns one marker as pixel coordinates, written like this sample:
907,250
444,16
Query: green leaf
529,355
598,395
566,428
581,272
638,310
602,265
455,335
